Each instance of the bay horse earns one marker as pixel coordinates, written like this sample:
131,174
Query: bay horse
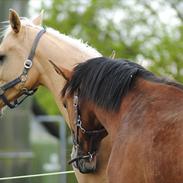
24,53
141,113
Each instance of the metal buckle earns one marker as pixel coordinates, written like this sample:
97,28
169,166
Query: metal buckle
75,103
28,64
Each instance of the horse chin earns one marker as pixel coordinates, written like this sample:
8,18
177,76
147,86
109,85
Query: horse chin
85,165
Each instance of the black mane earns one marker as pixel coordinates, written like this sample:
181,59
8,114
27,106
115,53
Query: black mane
105,81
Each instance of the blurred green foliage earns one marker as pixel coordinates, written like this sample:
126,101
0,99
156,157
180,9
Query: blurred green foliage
46,100
148,32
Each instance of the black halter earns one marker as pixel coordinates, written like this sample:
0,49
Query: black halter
25,92
79,128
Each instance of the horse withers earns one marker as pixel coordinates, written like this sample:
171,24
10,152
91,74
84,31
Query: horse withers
141,113
25,52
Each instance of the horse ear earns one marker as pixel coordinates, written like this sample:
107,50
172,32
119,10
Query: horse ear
62,71
39,19
14,20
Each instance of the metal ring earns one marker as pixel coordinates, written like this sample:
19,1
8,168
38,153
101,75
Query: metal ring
24,90
23,78
28,64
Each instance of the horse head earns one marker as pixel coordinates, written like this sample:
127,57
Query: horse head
15,48
86,129
17,74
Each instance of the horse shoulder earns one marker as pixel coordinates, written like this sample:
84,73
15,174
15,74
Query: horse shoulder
150,135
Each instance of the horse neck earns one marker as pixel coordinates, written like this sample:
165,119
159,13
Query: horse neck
91,113
63,53
138,95
140,100
66,51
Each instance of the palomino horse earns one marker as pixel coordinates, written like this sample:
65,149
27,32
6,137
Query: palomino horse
24,66
141,113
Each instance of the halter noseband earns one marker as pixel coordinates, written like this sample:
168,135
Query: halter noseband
25,92
79,127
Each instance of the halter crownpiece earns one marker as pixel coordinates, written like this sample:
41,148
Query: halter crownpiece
24,92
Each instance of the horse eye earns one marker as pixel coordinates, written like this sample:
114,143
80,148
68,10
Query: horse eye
65,104
2,57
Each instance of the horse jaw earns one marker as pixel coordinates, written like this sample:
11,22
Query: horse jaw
84,165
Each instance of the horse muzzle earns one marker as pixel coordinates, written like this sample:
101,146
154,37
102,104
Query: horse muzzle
86,166
84,163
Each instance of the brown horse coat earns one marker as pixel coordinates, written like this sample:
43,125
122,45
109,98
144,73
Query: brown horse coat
148,147
144,124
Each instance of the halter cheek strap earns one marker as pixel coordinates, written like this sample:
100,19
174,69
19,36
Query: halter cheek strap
24,92
79,128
